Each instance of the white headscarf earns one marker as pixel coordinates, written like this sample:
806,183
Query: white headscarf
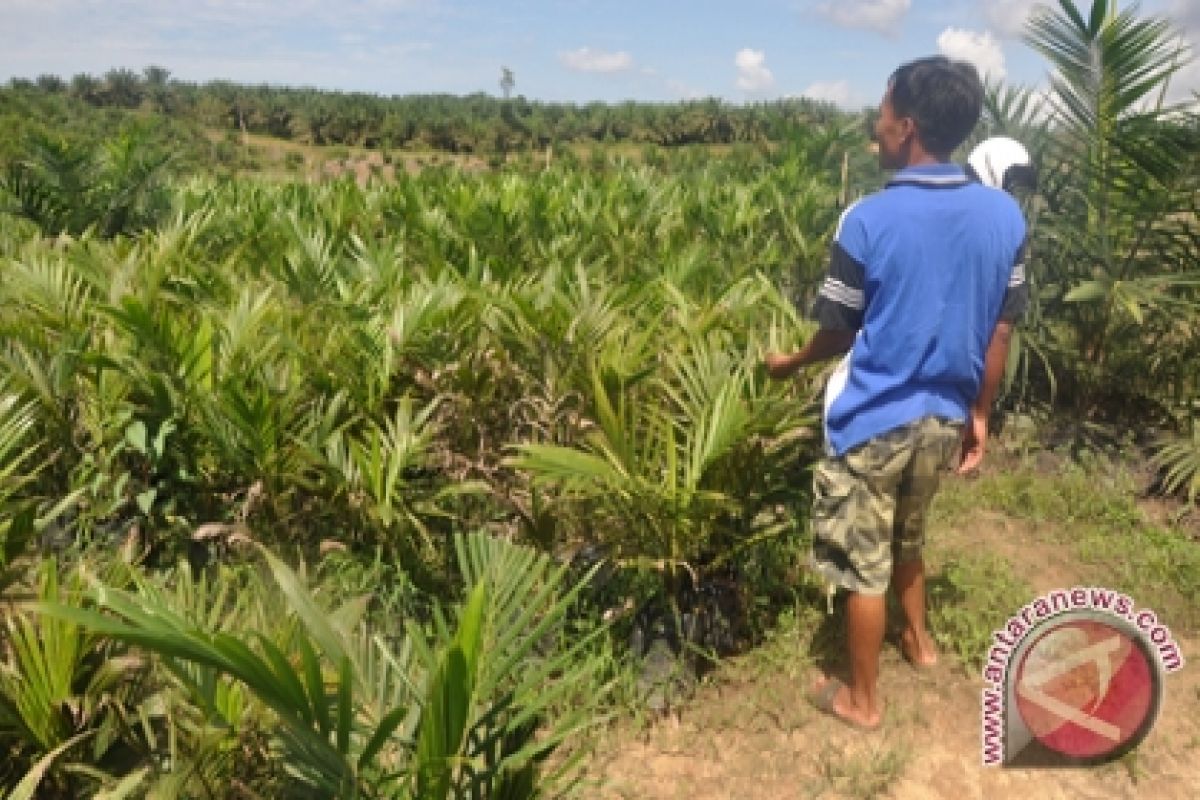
993,158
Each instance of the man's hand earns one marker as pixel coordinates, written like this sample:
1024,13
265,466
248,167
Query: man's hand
974,441
824,344
975,436
780,365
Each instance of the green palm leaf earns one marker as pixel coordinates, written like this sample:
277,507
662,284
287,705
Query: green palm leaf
1178,458
342,714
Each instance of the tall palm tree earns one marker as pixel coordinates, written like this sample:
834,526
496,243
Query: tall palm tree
1116,244
123,87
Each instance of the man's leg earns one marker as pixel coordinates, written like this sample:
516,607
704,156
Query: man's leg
936,451
858,701
853,515
908,579
865,616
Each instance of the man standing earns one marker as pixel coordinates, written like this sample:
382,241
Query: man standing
924,282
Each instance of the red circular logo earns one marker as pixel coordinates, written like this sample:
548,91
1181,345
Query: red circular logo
1088,689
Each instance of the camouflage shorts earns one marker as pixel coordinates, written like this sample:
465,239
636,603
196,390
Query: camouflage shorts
870,503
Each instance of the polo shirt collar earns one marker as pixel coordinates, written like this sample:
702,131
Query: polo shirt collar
931,175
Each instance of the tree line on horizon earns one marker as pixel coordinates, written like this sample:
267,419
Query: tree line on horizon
475,123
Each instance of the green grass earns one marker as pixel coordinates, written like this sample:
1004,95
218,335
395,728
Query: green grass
784,651
969,597
1091,506
866,774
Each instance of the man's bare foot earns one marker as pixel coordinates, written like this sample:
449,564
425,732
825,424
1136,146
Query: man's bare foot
832,697
920,651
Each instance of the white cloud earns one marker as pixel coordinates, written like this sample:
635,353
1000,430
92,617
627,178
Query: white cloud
981,49
840,93
186,14
1187,14
683,90
883,16
753,75
585,59
1185,84
350,44
1008,17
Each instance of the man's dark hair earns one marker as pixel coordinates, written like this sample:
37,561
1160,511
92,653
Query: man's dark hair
943,97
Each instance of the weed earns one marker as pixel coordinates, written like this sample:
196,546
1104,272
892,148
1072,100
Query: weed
1158,567
783,652
968,599
1091,506
865,774
1133,766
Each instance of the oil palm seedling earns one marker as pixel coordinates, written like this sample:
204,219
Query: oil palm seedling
64,697
18,470
467,709
1177,457
687,461
114,188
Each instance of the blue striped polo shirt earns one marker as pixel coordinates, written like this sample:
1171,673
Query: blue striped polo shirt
922,270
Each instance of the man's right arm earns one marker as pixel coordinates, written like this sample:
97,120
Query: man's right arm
975,435
1016,299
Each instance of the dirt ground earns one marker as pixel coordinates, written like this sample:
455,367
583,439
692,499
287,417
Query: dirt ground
748,733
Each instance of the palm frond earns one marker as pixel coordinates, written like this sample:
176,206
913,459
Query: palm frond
1178,459
468,694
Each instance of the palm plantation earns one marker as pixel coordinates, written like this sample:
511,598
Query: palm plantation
292,473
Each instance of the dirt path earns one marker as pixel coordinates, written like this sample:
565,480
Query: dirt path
749,734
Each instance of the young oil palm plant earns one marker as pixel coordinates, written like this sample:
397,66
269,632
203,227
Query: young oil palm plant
1177,456
463,711
678,465
17,470
683,465
47,185
1115,246
114,187
64,698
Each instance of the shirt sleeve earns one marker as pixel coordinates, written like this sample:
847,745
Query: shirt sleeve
1016,296
840,302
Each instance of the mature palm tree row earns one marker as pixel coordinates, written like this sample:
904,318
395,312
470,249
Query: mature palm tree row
470,124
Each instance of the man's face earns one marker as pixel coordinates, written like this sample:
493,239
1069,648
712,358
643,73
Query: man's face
893,135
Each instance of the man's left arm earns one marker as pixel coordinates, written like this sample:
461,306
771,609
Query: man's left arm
825,344
838,308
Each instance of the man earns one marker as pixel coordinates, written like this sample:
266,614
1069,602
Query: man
924,283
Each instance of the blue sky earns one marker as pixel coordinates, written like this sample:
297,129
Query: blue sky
569,50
